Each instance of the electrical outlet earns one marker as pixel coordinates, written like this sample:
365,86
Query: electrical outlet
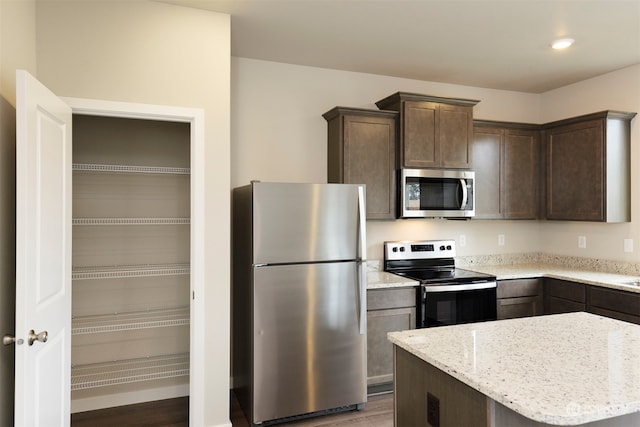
463,240
500,239
433,410
628,245
582,242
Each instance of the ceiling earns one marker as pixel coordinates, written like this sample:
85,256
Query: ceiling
492,44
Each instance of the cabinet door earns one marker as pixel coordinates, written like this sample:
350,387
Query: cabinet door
520,174
519,298
379,348
564,297
455,131
509,308
369,158
420,135
575,172
487,162
515,288
614,303
362,150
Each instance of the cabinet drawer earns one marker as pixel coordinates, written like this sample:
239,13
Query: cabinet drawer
561,305
566,290
614,300
509,308
380,299
615,315
519,288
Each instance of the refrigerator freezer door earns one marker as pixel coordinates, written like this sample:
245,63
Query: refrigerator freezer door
306,223
309,354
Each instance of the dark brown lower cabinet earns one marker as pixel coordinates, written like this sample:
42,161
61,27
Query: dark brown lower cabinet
388,310
519,298
617,304
561,296
426,396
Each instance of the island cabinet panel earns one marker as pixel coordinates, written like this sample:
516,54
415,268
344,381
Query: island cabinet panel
519,298
435,132
506,162
588,168
614,303
561,296
457,403
389,310
362,150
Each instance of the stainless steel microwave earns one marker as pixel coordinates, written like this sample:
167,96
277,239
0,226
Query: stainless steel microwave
435,193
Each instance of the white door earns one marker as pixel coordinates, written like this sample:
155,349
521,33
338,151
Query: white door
43,255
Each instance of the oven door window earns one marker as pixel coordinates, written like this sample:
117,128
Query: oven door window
451,308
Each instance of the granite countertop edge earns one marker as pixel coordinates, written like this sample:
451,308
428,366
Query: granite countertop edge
385,280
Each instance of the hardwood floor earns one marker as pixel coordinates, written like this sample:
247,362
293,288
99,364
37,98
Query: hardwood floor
378,412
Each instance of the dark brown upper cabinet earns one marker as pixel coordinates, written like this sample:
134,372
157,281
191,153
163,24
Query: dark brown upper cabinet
506,162
362,150
588,168
434,132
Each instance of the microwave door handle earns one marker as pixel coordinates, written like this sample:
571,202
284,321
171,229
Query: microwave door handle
463,184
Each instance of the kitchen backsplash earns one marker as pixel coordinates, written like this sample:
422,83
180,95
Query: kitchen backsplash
591,264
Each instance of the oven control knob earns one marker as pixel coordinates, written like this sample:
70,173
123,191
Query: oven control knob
401,248
394,249
442,248
448,247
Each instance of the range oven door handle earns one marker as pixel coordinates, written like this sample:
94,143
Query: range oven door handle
457,287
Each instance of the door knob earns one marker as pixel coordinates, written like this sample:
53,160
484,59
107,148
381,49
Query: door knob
33,337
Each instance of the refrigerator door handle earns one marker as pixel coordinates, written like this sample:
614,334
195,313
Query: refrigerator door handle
362,297
362,267
362,224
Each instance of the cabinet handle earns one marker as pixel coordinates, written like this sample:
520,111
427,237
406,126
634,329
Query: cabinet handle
463,183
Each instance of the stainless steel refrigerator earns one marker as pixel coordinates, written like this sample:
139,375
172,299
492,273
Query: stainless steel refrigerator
299,299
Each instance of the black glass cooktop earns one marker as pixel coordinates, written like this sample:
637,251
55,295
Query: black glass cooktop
458,275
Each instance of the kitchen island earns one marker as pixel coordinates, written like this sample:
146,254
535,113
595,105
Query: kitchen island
564,369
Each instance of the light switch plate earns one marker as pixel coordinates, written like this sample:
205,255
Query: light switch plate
628,245
500,239
463,240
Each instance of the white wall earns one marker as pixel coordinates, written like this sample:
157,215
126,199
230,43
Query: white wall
278,134
148,52
17,50
619,90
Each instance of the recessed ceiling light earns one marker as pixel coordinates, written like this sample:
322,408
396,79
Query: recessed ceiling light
562,43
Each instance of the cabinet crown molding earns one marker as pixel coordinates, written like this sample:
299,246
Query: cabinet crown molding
407,96
336,111
606,114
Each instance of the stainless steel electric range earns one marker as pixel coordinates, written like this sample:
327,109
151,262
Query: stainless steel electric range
447,295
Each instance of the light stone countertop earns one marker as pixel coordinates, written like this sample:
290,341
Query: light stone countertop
563,369
524,271
382,279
